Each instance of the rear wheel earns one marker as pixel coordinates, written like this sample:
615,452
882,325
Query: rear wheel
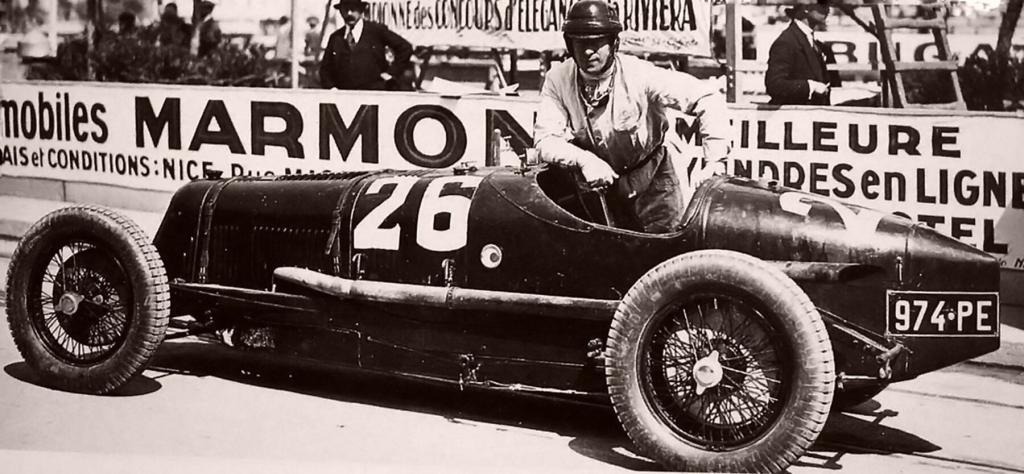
87,299
718,362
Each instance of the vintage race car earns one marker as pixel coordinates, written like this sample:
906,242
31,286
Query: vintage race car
721,347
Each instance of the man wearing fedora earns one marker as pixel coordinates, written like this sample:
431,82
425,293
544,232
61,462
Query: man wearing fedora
355,55
796,62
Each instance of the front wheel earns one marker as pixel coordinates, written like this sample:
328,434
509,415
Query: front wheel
87,299
719,362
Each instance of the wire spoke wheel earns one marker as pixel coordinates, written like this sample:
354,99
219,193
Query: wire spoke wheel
77,303
87,299
714,370
718,362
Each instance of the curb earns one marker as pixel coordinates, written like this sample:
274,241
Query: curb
7,245
26,211
1009,355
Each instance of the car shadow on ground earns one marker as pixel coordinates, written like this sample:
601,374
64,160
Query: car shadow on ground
141,385
594,430
860,430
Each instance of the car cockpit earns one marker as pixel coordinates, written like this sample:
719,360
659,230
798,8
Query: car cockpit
568,191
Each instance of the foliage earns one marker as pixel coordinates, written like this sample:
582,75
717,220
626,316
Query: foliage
140,58
928,87
983,84
988,87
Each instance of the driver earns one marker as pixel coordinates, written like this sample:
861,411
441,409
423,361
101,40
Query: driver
604,113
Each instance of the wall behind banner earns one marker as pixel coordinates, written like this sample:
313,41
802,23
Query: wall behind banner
955,171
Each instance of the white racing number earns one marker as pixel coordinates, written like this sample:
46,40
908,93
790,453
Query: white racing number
862,224
434,205
370,232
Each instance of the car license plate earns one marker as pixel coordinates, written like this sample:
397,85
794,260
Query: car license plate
939,313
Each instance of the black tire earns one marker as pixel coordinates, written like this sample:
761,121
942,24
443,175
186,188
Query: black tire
850,397
87,299
775,370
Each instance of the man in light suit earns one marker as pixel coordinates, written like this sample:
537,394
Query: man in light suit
355,55
796,62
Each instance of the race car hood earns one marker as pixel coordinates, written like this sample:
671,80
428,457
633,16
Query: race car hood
778,223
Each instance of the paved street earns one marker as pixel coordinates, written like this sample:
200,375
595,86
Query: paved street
209,408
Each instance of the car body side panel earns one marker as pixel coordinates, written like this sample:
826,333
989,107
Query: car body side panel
180,229
260,225
937,263
545,250
404,228
411,227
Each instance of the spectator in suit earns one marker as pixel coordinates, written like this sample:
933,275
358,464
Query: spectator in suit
796,62
126,23
355,57
206,35
172,30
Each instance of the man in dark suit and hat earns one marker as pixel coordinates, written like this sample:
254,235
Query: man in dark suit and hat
796,62
206,35
355,55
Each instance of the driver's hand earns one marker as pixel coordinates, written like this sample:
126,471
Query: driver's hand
597,173
711,169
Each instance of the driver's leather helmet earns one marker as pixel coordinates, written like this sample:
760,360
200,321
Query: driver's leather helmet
589,19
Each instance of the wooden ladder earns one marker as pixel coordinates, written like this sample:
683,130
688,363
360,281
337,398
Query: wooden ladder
894,93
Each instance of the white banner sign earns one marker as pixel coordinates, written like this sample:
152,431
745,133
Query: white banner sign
652,26
159,137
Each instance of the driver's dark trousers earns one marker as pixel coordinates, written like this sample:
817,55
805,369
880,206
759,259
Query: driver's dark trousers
648,198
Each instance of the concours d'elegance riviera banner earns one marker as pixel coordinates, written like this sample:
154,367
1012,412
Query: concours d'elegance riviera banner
959,172
655,26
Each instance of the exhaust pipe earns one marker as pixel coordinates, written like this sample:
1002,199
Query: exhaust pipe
449,297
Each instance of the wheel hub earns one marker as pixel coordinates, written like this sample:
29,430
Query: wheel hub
69,302
707,372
